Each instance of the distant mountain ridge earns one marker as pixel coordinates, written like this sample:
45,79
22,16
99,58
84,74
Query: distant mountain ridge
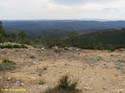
39,26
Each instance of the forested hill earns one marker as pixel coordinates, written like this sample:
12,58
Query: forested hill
97,39
101,39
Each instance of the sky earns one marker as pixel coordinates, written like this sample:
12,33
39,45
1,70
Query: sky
62,9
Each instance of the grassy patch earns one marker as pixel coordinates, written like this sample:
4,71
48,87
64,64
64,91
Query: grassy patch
41,82
119,62
7,65
93,59
120,66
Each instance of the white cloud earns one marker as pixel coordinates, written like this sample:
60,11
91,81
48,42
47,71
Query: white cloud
80,2
62,9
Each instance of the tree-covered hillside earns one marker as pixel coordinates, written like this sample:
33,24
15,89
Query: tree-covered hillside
107,39
99,40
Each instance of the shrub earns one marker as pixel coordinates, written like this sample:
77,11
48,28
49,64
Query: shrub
65,86
41,82
7,65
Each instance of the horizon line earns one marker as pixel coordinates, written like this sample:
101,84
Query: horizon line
82,19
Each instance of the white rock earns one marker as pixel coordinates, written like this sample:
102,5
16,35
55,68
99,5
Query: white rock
21,84
121,91
43,48
87,88
9,78
17,83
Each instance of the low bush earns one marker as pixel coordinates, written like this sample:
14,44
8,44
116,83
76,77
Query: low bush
65,86
10,46
7,65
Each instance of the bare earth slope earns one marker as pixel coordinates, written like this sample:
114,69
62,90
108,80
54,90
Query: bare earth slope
96,71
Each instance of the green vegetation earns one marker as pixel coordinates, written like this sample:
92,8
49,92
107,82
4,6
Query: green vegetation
105,40
10,46
65,86
102,40
6,65
41,82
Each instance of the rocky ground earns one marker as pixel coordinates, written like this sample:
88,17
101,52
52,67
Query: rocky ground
40,69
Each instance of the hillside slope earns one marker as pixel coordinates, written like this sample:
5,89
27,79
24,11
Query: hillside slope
100,39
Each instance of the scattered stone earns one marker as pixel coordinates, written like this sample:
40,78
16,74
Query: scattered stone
34,62
120,91
70,48
122,49
87,88
9,78
19,83
55,47
43,48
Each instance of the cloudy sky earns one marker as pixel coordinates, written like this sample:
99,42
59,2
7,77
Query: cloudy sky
62,9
